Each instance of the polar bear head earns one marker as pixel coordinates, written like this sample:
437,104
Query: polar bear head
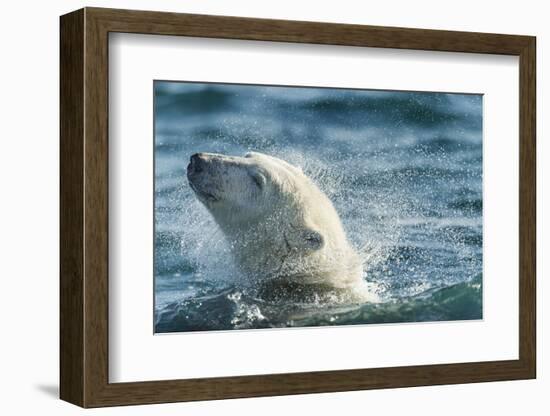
242,191
277,221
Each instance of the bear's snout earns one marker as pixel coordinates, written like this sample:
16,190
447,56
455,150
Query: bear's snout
196,164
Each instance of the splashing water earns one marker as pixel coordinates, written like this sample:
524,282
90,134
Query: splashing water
402,169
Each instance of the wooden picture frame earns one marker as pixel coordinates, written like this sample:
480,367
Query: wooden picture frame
84,207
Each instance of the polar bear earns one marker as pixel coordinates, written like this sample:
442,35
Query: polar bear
283,231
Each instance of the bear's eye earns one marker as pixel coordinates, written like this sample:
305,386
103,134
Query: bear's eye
258,179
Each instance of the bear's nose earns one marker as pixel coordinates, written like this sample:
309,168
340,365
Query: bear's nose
197,163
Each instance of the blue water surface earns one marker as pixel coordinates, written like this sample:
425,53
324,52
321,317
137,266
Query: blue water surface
403,169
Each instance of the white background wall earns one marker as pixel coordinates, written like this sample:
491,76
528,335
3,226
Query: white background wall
29,84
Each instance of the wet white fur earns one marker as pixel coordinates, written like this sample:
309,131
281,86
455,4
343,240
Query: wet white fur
280,225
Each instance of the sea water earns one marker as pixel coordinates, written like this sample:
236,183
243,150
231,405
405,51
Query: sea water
403,170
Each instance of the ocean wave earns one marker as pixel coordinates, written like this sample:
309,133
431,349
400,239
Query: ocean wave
232,308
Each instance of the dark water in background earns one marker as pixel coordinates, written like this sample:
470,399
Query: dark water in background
403,169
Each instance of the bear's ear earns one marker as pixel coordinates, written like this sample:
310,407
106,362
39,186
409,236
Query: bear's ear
306,239
313,239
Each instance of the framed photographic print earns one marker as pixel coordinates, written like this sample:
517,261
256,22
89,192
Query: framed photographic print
256,207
